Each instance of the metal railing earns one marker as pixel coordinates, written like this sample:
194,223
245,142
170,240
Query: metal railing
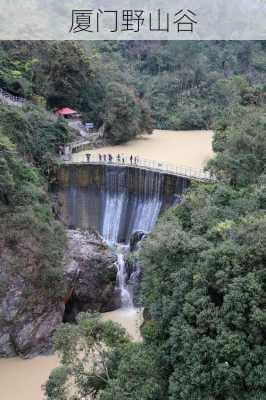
10,98
143,163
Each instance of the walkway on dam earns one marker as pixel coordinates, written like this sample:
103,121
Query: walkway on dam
142,163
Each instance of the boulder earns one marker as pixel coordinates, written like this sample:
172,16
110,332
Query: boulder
90,273
135,240
27,318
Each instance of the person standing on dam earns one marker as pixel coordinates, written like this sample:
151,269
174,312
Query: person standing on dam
88,156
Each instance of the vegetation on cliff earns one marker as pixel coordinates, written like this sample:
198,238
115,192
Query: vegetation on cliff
32,242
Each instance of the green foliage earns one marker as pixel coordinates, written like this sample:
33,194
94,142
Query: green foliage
138,376
55,387
187,85
204,288
88,351
36,133
240,146
125,116
204,279
99,361
34,242
176,85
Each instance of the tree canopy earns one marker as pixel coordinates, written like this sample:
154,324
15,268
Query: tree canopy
204,279
158,84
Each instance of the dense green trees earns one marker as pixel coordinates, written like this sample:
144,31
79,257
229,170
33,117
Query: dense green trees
99,361
204,283
177,85
28,143
187,84
57,71
88,352
204,287
37,134
125,115
64,74
240,144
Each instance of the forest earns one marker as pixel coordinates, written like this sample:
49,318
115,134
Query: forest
204,282
137,84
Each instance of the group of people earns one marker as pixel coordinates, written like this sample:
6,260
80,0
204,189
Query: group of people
109,158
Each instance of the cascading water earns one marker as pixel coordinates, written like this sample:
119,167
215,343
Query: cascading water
125,211
116,202
122,279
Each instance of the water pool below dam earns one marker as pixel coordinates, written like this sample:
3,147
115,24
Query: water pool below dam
115,200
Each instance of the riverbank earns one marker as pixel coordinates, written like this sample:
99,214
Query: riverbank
22,379
185,148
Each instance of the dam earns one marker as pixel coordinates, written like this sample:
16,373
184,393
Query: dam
114,200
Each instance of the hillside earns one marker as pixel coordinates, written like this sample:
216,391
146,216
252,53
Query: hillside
138,84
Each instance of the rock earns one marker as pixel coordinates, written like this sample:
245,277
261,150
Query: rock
90,271
135,238
28,318
6,347
134,266
33,336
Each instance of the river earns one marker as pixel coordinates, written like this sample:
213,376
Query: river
183,148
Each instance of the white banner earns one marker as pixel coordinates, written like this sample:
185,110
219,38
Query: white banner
132,20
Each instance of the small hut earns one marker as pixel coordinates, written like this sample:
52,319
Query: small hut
67,113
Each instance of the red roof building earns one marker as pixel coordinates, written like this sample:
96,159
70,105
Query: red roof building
67,112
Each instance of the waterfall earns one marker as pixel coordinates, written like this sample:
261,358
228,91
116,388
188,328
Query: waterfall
146,214
112,216
117,202
125,210
126,294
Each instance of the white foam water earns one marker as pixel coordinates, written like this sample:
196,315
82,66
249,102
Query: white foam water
122,281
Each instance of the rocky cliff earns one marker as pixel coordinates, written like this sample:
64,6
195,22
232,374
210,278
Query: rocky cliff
90,274
28,318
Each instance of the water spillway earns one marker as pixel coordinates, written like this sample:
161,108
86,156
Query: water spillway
115,200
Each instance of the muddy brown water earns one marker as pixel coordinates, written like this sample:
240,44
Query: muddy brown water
183,148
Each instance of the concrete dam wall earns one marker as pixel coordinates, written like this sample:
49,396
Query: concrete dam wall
115,200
